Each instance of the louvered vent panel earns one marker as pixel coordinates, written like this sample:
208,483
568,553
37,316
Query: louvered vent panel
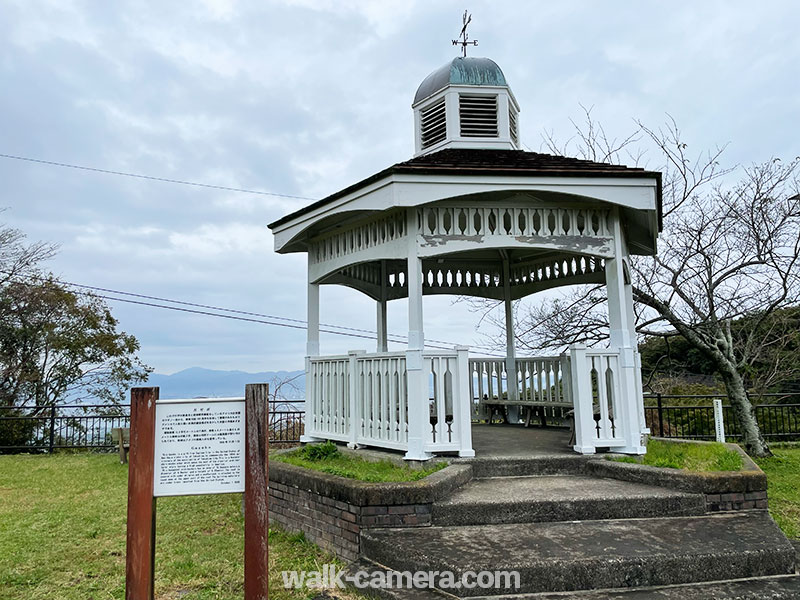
512,124
478,115
433,124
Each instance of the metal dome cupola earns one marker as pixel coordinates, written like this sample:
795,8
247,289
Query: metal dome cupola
466,103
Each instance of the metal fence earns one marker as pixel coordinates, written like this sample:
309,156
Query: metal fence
692,416
89,426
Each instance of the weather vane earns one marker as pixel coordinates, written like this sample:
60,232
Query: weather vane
464,40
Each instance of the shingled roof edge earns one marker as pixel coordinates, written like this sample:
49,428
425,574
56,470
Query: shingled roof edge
582,169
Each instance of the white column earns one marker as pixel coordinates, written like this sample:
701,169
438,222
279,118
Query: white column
636,356
511,359
621,320
380,317
312,350
312,308
418,392
383,341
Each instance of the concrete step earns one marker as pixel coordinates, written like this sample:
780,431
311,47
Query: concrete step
592,555
776,587
560,498
520,466
757,588
362,566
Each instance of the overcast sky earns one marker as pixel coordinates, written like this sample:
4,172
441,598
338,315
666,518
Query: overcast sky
306,97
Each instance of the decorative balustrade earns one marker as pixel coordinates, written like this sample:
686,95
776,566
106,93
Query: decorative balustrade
327,398
603,417
513,221
363,399
542,382
381,398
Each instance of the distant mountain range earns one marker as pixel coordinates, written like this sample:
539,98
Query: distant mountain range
197,382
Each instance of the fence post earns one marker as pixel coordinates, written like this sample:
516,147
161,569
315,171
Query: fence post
462,402
52,429
719,423
660,417
354,422
582,400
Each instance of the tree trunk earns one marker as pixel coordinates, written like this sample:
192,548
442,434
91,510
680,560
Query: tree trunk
752,438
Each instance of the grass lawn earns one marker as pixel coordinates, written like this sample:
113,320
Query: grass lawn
692,457
783,481
328,459
62,536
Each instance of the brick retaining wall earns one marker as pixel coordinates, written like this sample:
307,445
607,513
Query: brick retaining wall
331,511
736,501
336,525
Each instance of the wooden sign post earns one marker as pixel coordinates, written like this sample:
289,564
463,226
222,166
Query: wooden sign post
199,446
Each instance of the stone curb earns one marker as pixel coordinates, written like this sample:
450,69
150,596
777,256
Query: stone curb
362,493
750,479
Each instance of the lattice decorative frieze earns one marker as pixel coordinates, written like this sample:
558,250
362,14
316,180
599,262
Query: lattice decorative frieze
396,277
559,269
357,238
364,272
479,277
513,221
486,279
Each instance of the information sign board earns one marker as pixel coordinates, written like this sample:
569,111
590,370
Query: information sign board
199,447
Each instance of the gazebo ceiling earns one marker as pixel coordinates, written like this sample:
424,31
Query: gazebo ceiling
477,273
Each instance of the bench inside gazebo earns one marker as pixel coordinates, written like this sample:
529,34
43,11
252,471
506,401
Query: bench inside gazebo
473,215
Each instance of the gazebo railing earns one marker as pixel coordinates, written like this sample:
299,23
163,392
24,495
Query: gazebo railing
381,397
543,382
327,398
590,382
363,399
606,414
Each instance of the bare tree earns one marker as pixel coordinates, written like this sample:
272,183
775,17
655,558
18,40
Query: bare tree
20,258
727,251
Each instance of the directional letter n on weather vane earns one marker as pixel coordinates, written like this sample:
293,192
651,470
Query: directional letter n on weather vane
463,39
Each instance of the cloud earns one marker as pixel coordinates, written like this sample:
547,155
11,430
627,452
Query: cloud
306,97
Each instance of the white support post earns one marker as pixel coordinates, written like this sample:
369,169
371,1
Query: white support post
418,393
312,337
621,322
581,388
383,336
463,404
382,343
312,349
511,360
635,343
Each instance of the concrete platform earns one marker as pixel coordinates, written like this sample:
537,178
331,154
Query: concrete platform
560,498
517,441
593,555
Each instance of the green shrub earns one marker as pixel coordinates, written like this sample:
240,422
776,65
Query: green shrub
16,432
324,451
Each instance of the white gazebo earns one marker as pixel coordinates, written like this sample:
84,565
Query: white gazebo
473,215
